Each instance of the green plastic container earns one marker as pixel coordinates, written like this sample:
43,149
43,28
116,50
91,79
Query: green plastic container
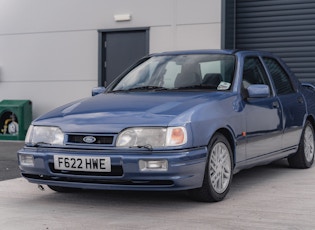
15,118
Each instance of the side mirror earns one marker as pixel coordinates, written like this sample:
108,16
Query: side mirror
98,90
258,91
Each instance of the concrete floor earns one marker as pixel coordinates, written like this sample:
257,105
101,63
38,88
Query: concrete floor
8,159
268,197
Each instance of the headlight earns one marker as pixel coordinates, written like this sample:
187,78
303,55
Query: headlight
152,137
44,135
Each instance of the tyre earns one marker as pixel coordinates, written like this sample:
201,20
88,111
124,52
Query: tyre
63,189
218,173
304,157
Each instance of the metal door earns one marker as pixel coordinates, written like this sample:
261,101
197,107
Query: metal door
119,50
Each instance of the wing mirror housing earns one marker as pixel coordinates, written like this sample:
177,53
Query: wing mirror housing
98,90
258,91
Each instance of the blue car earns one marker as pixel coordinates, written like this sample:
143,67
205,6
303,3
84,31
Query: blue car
185,120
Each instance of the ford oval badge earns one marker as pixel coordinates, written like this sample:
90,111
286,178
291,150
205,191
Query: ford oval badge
89,139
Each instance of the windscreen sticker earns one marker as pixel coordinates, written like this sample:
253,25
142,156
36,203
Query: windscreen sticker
224,85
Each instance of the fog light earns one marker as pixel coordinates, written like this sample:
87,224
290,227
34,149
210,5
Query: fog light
153,165
26,160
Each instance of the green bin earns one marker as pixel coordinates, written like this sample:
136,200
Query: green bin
15,118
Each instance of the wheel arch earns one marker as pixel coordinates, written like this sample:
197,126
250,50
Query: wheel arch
229,136
311,119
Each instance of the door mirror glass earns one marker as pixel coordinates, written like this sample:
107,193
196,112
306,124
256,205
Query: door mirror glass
258,91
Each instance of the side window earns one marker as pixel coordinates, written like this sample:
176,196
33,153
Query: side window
254,73
280,77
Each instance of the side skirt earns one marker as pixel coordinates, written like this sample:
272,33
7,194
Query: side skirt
264,159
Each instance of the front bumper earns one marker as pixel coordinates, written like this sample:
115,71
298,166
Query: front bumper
185,169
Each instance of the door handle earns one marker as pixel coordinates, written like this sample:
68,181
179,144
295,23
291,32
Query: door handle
300,100
275,104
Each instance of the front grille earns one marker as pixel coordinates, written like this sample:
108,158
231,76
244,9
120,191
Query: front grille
99,140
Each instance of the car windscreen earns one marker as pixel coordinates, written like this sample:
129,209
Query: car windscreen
180,72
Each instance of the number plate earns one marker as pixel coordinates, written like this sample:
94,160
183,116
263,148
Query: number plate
80,163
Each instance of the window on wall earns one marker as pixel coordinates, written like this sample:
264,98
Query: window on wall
280,78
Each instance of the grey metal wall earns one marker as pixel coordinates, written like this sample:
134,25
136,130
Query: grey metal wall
55,47
284,27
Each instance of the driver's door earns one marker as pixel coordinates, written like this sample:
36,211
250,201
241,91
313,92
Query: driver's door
263,115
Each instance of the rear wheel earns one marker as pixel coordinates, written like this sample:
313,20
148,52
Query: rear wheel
218,174
304,157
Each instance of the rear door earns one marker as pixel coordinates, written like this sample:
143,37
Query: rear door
292,101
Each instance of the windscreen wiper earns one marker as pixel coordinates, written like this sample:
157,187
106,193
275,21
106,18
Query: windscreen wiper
201,86
149,87
155,88
41,143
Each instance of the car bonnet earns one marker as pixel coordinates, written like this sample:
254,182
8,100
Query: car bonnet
115,111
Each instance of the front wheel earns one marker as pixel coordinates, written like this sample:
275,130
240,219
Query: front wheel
304,157
219,171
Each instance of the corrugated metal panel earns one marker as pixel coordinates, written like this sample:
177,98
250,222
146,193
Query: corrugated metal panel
228,24
284,27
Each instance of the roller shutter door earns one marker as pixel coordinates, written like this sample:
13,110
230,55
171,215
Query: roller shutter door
284,27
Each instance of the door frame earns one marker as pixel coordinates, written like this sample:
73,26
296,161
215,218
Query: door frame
101,50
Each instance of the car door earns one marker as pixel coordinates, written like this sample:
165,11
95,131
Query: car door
292,101
262,115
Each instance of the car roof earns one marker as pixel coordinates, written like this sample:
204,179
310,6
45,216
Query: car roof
182,52
212,51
